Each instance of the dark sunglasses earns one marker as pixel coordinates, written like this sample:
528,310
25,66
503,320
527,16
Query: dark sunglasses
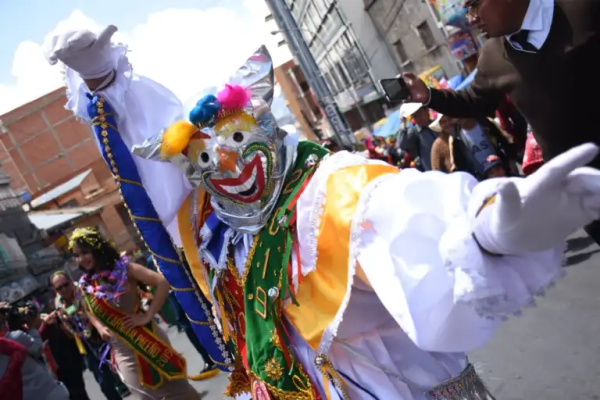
61,287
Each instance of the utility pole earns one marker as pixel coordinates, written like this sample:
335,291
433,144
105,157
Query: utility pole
300,50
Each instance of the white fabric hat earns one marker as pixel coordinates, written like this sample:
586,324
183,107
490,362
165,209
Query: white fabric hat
408,109
435,125
83,51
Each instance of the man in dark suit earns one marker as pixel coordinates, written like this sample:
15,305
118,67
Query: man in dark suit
543,54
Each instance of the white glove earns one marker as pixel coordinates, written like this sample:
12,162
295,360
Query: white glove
539,212
83,51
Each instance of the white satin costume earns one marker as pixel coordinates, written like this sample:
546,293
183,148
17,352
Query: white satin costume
431,296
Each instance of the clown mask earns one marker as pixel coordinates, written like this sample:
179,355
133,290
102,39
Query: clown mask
245,162
241,158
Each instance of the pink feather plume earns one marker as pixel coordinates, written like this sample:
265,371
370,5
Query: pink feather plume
233,97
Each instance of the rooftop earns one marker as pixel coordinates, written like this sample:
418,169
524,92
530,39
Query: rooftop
58,191
53,219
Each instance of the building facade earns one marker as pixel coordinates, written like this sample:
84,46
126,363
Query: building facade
43,147
300,99
346,59
415,35
25,260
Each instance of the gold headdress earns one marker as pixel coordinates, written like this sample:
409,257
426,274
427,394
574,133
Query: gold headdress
90,236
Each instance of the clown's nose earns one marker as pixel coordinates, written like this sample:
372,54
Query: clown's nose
227,160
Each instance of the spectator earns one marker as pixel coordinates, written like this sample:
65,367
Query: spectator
418,140
542,54
22,345
480,148
70,363
441,156
72,319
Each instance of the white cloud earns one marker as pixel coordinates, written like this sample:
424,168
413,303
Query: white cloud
184,49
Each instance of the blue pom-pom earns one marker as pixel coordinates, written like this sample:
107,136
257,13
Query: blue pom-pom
205,110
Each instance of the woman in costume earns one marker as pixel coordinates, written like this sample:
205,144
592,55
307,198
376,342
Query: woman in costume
343,278
143,356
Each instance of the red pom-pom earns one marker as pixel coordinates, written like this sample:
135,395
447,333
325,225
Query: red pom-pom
233,97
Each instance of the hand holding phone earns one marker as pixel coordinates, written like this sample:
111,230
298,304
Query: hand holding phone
395,89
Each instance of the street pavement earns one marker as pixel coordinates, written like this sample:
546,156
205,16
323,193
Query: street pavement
552,352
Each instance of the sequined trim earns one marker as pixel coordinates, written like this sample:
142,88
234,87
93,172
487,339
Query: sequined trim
466,386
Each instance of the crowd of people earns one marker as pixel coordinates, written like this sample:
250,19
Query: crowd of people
479,147
60,344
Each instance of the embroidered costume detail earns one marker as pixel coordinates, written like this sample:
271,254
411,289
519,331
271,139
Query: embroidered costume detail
466,386
168,259
267,284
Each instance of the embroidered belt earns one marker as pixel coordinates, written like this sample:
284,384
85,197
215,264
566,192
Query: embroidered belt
466,386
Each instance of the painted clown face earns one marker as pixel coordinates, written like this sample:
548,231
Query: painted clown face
245,160
238,165
231,146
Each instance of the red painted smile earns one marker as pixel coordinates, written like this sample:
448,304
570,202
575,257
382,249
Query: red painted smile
247,187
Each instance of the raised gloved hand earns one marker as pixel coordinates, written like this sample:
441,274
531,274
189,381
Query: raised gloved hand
85,52
538,212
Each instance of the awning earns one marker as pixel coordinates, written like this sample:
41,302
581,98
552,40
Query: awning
390,127
59,218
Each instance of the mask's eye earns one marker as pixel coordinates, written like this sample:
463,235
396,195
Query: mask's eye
237,139
205,159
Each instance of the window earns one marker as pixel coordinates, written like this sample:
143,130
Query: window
353,60
401,51
307,31
313,16
330,26
345,82
321,6
426,35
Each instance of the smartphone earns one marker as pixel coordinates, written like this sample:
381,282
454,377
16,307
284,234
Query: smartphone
395,89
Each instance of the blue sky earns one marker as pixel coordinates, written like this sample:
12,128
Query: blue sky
172,41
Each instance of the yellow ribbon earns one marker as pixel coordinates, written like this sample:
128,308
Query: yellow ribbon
80,345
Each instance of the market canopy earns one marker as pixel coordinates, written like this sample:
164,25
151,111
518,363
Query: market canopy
390,127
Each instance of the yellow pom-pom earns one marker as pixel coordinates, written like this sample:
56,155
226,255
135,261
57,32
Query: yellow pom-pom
176,138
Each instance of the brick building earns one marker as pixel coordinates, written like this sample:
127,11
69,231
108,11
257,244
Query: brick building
299,98
43,148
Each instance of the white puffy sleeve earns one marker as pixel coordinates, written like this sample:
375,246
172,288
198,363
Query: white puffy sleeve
413,239
143,109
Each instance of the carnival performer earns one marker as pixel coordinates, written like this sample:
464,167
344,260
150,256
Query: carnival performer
71,317
340,277
94,68
143,356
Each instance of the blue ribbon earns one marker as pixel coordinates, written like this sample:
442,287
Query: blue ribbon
144,215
